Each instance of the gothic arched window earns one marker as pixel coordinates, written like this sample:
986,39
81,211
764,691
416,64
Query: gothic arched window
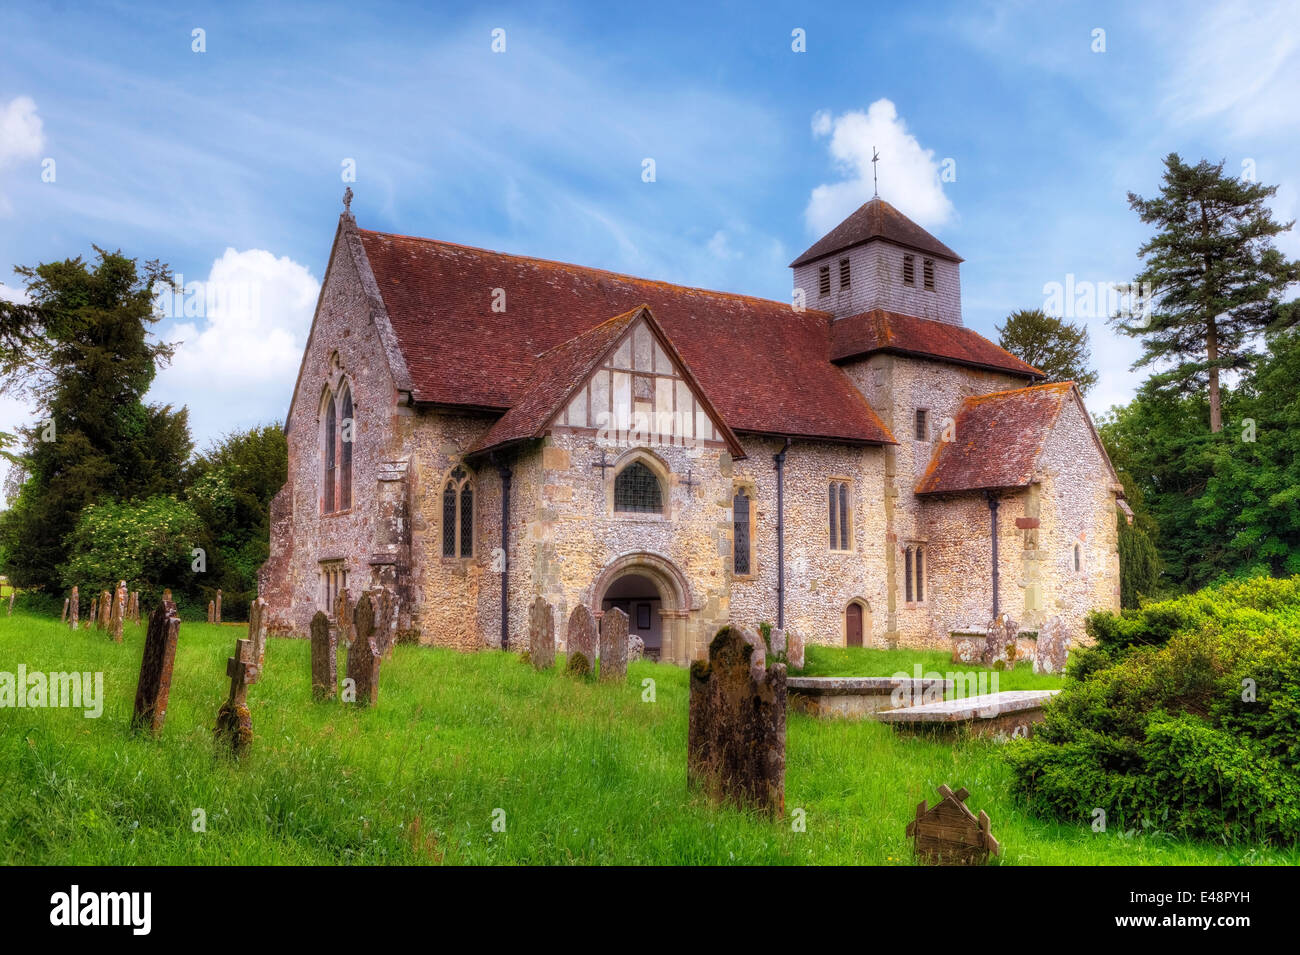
740,532
330,468
346,429
458,514
636,489
839,515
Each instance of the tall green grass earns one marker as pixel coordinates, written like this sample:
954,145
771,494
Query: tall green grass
585,773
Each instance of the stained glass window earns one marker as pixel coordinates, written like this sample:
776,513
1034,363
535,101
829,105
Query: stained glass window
740,521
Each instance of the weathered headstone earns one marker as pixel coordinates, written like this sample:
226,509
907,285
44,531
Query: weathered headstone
212,611
217,618
794,649
580,641
736,735
364,656
635,648
613,646
12,594
117,612
156,669
63,618
94,611
385,635
541,635
324,655
1000,644
257,630
343,617
105,610
1053,646
234,729
74,607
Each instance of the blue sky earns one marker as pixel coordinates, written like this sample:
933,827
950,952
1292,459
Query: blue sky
228,163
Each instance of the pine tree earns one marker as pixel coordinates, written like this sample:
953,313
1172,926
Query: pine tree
81,349
1215,278
1054,346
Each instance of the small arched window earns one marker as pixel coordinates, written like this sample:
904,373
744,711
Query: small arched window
1078,558
346,430
740,536
637,489
458,514
329,471
840,517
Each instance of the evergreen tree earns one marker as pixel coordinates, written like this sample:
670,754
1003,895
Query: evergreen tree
1054,346
81,349
1215,278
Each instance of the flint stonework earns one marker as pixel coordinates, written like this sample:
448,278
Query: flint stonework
736,732
324,657
541,635
156,669
613,646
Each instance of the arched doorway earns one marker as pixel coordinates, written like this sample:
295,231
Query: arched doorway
638,596
857,624
656,598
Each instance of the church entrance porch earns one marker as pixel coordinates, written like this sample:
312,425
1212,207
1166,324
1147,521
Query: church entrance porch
656,598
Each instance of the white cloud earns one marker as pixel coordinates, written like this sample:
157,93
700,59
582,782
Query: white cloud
21,137
238,367
909,173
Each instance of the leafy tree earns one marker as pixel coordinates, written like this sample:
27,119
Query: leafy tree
231,486
1054,346
1216,280
146,543
88,363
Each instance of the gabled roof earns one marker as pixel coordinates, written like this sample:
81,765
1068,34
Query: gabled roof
998,438
564,369
880,331
764,365
876,219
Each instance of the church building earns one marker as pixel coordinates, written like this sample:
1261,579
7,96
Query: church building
470,430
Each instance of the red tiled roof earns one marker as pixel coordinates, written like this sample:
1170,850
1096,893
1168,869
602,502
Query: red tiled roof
765,366
998,438
876,219
878,330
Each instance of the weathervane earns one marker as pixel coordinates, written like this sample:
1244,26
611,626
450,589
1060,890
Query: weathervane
875,158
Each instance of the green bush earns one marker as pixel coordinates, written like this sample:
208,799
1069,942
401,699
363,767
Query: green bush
1188,721
146,543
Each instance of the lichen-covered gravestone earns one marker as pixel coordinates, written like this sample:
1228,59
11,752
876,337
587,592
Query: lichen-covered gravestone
385,635
64,616
156,669
343,617
117,613
105,609
541,635
1000,644
257,630
735,748
635,648
217,609
74,606
580,641
1053,646
324,665
364,655
613,646
234,729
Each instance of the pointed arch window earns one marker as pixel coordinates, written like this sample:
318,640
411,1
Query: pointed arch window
330,460
346,429
840,517
740,509
458,514
637,490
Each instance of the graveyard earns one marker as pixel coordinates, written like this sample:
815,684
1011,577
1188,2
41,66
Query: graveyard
484,758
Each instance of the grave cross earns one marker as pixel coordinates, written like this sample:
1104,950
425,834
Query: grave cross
242,670
603,463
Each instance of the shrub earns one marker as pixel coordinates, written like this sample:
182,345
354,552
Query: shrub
1198,734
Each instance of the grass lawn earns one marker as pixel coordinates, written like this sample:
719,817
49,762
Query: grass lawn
584,773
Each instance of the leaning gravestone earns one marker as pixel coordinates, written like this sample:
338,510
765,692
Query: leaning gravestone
73,608
117,613
63,618
580,641
541,635
156,669
735,748
364,655
234,729
613,646
324,657
1053,646
212,612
